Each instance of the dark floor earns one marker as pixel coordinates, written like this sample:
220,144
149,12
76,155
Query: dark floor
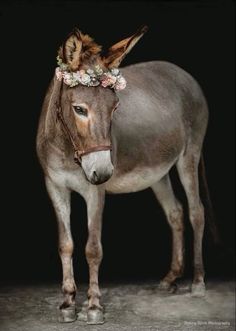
128,307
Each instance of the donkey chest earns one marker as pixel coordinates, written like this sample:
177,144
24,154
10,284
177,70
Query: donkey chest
73,180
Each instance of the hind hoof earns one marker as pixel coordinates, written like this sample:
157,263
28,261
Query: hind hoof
95,316
198,290
67,315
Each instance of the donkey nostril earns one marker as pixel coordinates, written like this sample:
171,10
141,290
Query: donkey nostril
100,177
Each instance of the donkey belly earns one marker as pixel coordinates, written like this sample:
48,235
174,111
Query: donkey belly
144,150
138,179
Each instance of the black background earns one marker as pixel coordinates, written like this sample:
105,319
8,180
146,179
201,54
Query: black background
196,35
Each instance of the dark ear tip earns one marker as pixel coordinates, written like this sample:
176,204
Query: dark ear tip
144,29
75,32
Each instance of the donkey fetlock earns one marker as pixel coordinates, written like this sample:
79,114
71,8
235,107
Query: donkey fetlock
95,313
168,282
67,308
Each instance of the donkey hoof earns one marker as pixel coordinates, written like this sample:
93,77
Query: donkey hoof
167,287
173,288
95,316
198,290
82,315
164,286
67,315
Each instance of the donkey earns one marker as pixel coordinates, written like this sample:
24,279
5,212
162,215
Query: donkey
95,139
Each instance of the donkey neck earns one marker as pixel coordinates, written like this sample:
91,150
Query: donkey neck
53,129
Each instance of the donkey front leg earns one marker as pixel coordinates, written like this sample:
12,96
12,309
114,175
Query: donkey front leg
95,204
60,197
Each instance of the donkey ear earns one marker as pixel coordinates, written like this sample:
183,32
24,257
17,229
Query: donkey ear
118,51
71,49
77,49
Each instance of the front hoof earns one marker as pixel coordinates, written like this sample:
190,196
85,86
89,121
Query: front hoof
164,286
198,290
82,315
95,316
67,315
167,287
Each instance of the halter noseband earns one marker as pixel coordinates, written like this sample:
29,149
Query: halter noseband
77,152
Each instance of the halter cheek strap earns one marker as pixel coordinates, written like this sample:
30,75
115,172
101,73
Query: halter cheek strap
77,152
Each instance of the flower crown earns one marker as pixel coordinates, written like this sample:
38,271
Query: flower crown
90,77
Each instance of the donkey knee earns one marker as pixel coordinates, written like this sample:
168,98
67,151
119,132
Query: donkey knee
66,248
196,215
94,251
175,217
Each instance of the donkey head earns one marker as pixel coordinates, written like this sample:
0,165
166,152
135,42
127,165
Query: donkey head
88,98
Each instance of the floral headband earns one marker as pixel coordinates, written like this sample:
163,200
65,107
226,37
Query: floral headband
91,77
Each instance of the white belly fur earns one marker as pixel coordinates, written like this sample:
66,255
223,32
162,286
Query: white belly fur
137,180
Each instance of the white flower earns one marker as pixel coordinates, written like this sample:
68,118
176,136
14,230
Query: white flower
85,79
115,71
120,83
59,74
77,76
98,70
59,60
91,73
63,66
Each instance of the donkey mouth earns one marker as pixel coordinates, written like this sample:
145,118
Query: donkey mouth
97,179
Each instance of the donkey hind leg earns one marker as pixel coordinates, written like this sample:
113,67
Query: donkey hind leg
174,213
61,201
187,167
95,204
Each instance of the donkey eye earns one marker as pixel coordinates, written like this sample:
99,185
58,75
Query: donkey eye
80,110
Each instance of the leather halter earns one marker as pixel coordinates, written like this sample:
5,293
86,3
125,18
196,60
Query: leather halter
78,153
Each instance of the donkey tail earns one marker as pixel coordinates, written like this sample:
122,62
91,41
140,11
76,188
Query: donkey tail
210,217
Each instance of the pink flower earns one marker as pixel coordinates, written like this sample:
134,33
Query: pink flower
108,80
68,78
120,84
59,74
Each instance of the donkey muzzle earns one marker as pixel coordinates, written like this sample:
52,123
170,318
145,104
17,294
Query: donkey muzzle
97,166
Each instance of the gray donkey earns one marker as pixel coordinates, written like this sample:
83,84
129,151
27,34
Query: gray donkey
97,137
